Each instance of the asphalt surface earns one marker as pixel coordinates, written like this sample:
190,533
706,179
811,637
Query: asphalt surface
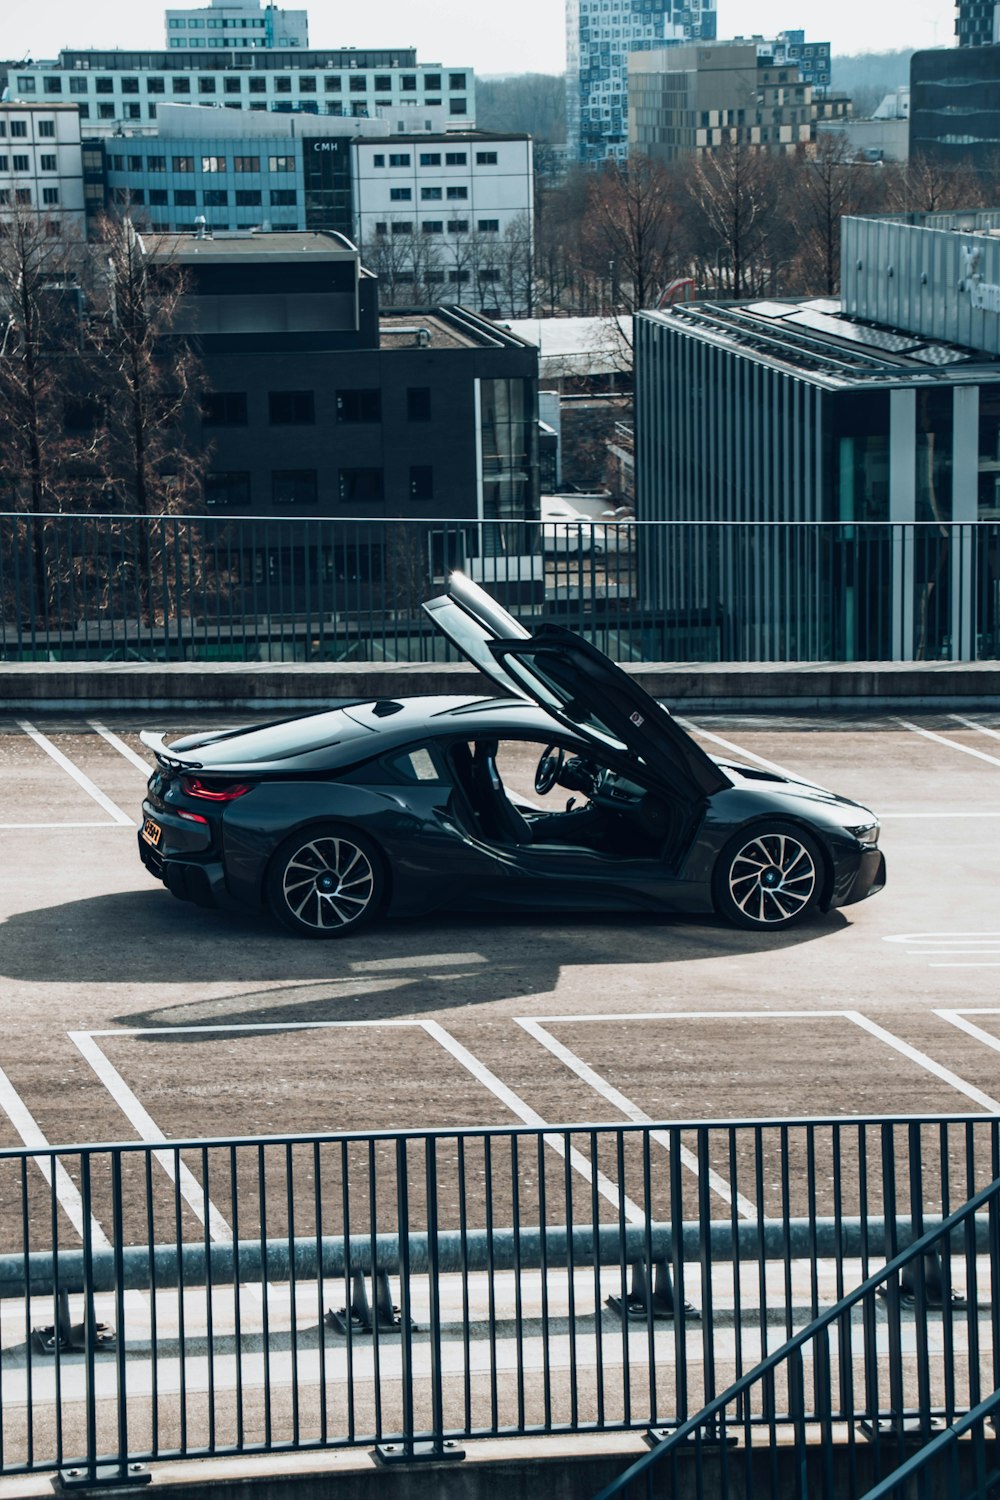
688,1019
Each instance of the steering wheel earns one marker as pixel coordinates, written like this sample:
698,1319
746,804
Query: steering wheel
549,768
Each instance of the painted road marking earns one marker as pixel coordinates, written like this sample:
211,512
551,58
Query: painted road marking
738,750
941,739
12,827
632,1112
123,749
959,1018
994,734
924,944
71,770
66,1191
922,1060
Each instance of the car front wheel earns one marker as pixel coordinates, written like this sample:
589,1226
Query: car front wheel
325,882
768,877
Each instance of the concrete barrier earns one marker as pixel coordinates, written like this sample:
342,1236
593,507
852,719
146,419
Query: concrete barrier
51,687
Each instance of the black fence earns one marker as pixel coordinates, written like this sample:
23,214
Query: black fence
412,1292
217,588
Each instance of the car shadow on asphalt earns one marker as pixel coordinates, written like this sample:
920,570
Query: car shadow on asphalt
244,968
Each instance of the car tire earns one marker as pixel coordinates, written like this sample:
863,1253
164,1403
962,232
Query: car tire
768,877
324,882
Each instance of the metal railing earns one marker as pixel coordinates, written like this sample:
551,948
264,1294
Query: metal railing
817,1373
415,1290
223,587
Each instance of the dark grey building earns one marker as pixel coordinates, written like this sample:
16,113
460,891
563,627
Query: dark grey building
955,105
319,407
876,421
975,22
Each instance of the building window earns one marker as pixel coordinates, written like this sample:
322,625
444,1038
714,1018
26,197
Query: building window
130,85
430,158
258,85
456,81
433,226
105,85
78,85
291,408
22,195
458,192
53,85
399,159
246,163
213,164
378,160
430,194
383,83
180,85
400,195
156,164
293,487
408,83
281,163
458,277
282,85
421,482
457,107
22,163
185,198
50,196
132,111
361,485
84,111
154,86
183,163
228,488
381,227
432,83
458,226
359,406
307,85
158,196
216,198
486,158
402,226
232,85
456,159
224,409
19,127
206,85
105,111
283,197
418,403
248,198
489,273
47,162
332,85
135,163
358,84
488,226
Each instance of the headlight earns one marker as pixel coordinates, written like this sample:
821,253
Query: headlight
866,833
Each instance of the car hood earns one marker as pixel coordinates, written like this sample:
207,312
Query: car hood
775,784
580,687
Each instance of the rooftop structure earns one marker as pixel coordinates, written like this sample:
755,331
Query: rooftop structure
237,23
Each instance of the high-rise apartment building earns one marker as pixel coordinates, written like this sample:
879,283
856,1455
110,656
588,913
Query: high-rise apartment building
237,23
977,23
600,34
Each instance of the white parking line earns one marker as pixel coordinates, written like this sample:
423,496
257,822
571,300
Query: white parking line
941,739
922,1060
632,1112
994,734
924,944
81,780
524,1112
123,749
737,750
10,827
147,1130
959,1018
66,1191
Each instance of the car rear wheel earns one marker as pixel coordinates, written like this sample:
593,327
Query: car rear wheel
325,882
769,877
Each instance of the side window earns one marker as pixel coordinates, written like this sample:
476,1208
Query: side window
415,766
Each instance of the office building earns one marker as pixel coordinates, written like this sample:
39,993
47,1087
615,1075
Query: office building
600,35
436,214
691,99
977,23
955,105
237,23
118,90
878,412
41,168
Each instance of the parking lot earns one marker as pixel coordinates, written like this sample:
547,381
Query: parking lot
130,1015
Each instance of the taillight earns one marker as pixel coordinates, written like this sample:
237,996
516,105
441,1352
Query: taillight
193,786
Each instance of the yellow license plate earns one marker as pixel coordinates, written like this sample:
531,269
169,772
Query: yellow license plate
151,832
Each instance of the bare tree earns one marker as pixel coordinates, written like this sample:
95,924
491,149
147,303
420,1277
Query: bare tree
731,191
826,186
926,184
631,228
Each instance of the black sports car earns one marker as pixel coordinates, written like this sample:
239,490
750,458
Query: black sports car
422,803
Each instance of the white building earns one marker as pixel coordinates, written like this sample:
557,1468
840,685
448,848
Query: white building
600,34
41,164
118,90
237,23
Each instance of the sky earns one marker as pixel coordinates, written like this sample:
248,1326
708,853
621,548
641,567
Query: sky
518,36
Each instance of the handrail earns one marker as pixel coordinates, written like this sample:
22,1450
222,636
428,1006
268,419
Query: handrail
706,1418
933,1450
